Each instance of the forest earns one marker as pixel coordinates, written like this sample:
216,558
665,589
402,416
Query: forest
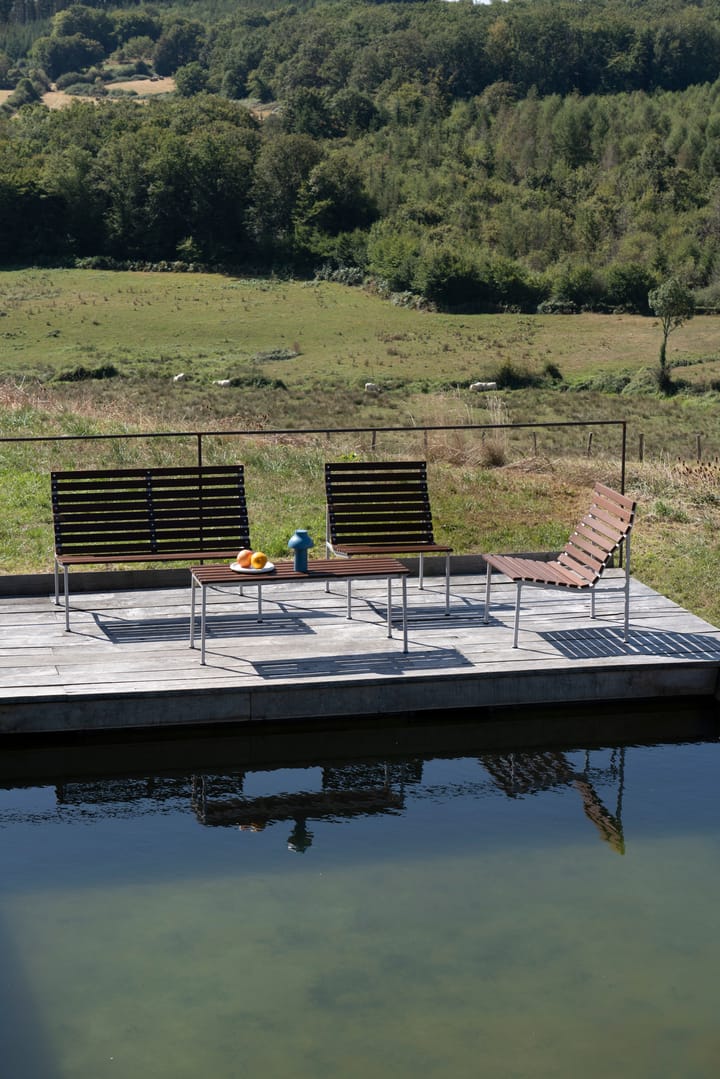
552,155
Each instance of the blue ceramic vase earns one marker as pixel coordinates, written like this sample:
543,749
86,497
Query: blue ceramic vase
300,543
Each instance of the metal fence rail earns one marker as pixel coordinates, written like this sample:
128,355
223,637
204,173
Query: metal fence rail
200,437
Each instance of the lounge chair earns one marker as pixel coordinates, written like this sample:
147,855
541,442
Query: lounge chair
580,565
381,508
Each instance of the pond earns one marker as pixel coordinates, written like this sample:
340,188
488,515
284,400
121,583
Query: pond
221,908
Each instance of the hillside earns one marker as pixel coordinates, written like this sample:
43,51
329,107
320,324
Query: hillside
481,157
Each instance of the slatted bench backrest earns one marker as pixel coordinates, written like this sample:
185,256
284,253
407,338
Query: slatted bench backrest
151,511
599,534
378,502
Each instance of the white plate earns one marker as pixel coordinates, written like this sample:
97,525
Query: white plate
269,567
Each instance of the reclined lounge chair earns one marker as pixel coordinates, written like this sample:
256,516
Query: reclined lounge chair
580,565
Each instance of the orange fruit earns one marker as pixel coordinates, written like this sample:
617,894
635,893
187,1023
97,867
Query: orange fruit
258,560
243,558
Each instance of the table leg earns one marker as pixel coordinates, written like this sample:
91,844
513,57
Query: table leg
260,613
389,606
349,599
404,616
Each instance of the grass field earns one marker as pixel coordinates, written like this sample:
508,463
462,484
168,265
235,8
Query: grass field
214,327
299,355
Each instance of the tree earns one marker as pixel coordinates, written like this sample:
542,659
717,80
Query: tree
179,45
191,79
283,165
673,303
56,55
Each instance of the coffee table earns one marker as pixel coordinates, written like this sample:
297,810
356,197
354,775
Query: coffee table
321,570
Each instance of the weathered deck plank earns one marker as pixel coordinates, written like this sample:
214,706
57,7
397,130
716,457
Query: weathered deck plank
126,661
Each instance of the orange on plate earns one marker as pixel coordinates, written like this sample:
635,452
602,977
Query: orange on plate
258,560
244,557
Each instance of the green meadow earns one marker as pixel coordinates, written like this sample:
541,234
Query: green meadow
298,355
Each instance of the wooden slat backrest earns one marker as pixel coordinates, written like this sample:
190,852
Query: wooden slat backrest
149,510
378,502
596,538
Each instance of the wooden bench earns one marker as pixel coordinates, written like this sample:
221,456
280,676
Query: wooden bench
579,566
147,515
381,508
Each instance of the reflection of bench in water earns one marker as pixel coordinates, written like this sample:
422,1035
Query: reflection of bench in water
528,773
299,805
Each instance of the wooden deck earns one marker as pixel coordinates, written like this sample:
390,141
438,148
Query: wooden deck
126,662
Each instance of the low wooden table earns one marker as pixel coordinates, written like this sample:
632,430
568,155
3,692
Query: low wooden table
319,570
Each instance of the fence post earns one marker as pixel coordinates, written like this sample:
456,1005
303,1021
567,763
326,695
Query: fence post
641,447
589,444
698,447
534,443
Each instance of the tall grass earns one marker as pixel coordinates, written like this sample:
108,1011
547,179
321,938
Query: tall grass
505,489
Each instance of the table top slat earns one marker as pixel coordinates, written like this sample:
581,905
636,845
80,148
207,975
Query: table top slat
319,569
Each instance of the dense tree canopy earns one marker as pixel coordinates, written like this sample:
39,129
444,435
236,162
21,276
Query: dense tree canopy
514,154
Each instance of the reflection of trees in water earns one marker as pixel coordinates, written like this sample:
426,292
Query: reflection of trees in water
518,774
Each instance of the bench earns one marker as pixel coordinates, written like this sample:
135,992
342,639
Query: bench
146,515
381,508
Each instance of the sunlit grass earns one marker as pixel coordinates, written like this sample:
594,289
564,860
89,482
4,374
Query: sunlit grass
515,490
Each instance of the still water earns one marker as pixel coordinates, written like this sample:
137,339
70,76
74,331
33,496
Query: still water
527,913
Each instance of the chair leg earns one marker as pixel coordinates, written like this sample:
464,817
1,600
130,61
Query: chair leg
517,615
592,602
627,588
488,582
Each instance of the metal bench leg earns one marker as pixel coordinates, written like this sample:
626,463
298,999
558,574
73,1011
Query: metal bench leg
192,612
203,621
488,582
447,585
404,614
349,599
517,614
57,585
389,606
67,598
421,571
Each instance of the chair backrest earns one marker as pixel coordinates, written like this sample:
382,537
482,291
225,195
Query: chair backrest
149,510
602,530
378,502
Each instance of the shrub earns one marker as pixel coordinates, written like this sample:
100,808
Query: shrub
628,285
511,377
83,374
70,78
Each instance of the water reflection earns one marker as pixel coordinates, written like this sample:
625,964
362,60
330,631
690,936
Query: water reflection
157,918
348,790
531,773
